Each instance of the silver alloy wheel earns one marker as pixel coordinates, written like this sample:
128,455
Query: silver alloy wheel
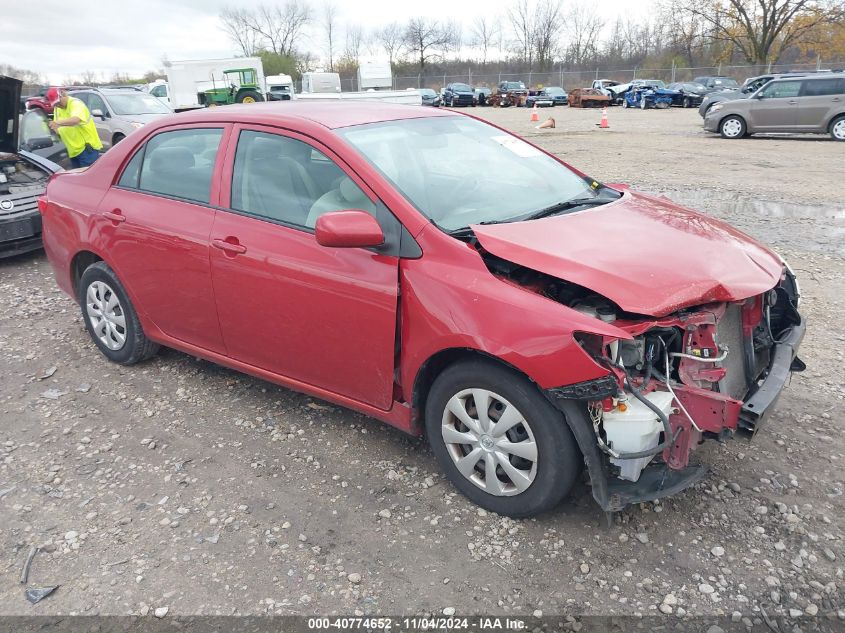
108,320
732,128
490,442
839,129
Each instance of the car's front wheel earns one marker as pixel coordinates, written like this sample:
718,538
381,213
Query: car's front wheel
687,102
500,442
837,128
110,318
732,127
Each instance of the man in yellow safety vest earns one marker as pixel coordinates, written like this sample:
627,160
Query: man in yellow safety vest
73,123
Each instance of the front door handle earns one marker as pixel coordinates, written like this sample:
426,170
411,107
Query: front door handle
792,102
115,216
836,99
229,245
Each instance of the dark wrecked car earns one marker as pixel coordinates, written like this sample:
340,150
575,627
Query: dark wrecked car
649,93
689,94
28,156
440,274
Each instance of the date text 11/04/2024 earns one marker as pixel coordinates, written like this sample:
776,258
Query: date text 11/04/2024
477,623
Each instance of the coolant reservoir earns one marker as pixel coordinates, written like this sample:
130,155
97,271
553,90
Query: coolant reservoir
636,429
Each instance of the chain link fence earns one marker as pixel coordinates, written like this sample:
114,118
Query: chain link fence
583,78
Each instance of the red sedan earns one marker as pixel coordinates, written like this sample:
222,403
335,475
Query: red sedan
442,275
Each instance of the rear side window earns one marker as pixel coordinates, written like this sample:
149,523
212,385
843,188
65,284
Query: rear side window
178,164
781,89
823,87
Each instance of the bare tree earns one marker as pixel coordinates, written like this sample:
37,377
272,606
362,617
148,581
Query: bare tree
760,30
279,26
426,39
330,30
392,39
547,29
521,18
237,24
354,43
583,27
483,34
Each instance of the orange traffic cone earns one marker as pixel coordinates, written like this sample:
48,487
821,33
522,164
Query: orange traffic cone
548,123
604,124
534,115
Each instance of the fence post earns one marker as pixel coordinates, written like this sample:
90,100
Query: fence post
500,77
719,72
819,62
419,81
635,74
597,73
469,74
769,67
673,71
444,81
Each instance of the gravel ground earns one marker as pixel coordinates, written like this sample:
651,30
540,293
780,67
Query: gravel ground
180,486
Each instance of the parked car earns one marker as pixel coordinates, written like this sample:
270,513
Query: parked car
540,98
440,274
749,87
25,146
118,112
813,105
482,96
558,95
649,93
458,95
712,83
429,97
588,98
39,102
604,86
509,93
689,94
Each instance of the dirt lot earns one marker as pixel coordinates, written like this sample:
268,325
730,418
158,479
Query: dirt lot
180,484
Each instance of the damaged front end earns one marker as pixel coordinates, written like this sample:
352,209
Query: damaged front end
703,372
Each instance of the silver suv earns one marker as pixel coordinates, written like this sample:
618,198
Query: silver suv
813,105
118,112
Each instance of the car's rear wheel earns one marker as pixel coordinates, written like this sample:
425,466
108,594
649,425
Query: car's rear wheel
732,127
500,442
687,102
117,138
110,318
837,128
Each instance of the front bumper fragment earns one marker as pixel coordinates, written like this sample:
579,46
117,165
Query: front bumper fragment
757,408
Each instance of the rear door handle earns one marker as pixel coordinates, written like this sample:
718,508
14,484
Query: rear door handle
115,216
229,245
836,99
792,102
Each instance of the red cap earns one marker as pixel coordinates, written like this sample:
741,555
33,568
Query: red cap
53,95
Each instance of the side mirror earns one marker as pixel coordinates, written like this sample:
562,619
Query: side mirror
348,229
98,113
40,142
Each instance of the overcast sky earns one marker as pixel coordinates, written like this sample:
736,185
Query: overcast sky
134,35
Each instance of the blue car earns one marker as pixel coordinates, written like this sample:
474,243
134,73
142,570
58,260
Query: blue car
558,95
649,93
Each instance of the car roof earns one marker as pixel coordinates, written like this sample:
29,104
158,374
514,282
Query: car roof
813,77
332,115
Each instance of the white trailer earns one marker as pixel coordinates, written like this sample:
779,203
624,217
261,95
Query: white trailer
186,79
375,75
320,83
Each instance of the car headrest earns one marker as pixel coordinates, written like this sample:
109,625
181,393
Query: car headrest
350,192
264,150
171,159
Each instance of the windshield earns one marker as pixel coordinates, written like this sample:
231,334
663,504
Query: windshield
725,82
137,103
427,92
459,171
554,91
694,87
461,87
514,85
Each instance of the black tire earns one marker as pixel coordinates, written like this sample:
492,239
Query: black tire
558,459
687,102
116,139
136,346
837,128
249,96
733,127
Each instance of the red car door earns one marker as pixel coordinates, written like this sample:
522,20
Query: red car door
155,230
322,316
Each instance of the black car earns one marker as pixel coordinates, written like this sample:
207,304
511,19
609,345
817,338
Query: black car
24,170
482,95
429,97
691,94
717,82
558,94
458,95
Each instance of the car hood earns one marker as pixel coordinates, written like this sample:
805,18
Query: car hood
10,105
647,254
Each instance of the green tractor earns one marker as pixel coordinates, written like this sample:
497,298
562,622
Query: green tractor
242,88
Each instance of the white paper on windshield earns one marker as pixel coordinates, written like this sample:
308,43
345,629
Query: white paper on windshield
517,146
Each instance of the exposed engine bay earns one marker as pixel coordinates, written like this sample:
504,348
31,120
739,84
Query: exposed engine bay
17,176
682,378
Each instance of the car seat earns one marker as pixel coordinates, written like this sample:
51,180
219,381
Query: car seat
346,196
170,171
